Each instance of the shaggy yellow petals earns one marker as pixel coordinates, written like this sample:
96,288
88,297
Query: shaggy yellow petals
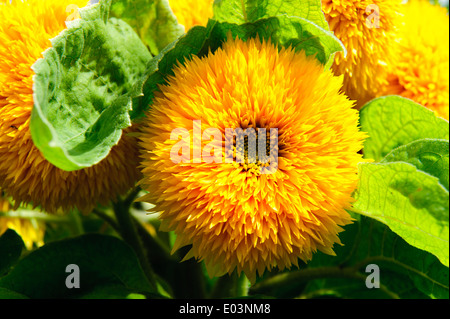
192,12
367,29
31,231
26,28
234,216
422,73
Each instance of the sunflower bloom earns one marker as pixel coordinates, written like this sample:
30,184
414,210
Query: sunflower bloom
31,231
25,175
4,203
422,71
233,216
367,29
192,12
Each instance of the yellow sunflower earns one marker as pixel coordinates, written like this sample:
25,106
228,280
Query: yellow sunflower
25,175
367,29
422,73
4,203
192,12
233,215
31,231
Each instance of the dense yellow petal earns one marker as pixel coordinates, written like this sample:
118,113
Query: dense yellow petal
192,12
367,29
235,217
31,230
422,72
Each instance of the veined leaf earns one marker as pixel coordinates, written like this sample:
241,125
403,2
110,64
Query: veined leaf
153,21
243,11
393,121
285,31
404,271
83,89
161,66
323,42
412,203
102,261
428,155
282,30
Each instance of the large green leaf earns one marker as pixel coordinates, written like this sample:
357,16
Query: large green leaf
405,271
83,89
428,155
393,121
243,11
11,246
103,261
153,21
412,203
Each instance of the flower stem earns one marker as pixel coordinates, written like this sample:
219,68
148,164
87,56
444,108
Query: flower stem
76,223
129,233
230,286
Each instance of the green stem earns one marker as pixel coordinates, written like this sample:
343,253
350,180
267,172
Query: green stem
29,214
76,223
230,286
108,219
129,233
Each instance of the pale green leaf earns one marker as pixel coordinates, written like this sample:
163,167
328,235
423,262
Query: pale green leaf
393,121
412,203
83,89
161,66
243,11
153,21
286,31
428,155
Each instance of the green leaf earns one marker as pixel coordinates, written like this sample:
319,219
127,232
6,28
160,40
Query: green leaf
83,89
243,11
412,203
405,272
305,28
11,245
153,21
102,261
282,30
285,31
393,121
161,65
428,155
